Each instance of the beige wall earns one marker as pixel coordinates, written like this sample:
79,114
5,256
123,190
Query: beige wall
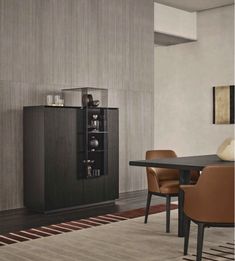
184,76
47,45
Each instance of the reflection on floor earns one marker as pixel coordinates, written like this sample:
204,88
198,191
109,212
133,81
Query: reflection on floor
79,224
15,220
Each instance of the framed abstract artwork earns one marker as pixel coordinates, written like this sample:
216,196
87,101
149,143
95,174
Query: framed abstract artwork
223,104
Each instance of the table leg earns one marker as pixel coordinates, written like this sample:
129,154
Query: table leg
184,179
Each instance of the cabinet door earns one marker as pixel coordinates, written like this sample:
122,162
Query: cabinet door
112,178
62,187
34,158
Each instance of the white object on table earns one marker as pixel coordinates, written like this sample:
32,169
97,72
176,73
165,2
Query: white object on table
226,150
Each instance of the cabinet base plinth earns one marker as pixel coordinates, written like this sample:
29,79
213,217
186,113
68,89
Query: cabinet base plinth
99,204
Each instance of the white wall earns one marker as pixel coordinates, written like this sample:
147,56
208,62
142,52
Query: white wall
184,76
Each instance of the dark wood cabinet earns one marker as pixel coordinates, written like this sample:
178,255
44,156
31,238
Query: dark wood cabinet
56,151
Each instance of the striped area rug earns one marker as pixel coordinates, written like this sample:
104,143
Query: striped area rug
56,229
124,238
221,252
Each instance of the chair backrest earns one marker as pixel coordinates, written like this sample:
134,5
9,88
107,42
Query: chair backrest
212,199
156,175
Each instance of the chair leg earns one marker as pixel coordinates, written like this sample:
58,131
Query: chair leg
168,209
186,236
147,207
200,236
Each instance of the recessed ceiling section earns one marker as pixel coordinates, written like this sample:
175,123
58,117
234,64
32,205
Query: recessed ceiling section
173,26
162,39
195,5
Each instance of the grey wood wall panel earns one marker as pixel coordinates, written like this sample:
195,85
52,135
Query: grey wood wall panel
47,45
84,43
13,97
135,131
20,39
56,41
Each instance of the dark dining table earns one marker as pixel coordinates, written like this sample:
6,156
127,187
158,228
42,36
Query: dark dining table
185,166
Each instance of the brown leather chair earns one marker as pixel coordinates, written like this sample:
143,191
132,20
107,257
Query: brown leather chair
163,182
209,203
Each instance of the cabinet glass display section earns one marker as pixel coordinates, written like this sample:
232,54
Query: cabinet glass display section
70,156
93,137
86,97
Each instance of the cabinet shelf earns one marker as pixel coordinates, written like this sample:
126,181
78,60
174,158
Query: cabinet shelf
93,132
93,151
93,177
97,132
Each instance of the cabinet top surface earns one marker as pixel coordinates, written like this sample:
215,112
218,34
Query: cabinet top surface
69,107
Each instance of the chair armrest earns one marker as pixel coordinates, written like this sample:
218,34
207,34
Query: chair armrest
153,181
187,187
151,171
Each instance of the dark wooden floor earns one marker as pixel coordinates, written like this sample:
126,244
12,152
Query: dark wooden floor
18,219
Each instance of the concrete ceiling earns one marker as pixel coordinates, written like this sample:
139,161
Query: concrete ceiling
195,5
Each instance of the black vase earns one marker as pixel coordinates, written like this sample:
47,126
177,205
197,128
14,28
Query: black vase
94,143
87,100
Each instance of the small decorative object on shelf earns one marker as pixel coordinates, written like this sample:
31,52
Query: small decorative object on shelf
96,172
94,143
58,101
95,103
91,171
49,100
54,100
87,101
95,122
89,164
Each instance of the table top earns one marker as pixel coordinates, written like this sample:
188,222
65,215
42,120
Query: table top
192,163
